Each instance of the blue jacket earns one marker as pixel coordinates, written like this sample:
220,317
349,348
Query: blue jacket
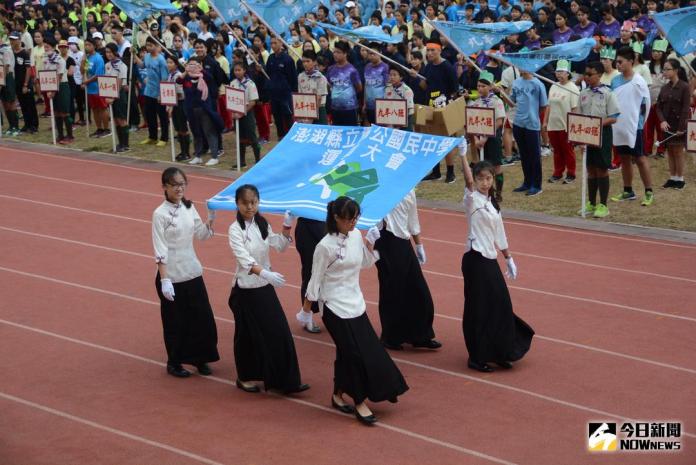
283,78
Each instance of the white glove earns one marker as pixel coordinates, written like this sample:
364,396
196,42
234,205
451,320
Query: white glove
167,289
303,317
372,235
275,279
288,219
463,147
511,268
420,253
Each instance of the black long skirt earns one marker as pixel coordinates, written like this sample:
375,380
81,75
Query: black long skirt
188,324
492,332
405,304
263,346
363,369
308,233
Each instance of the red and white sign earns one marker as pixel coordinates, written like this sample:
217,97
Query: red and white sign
304,106
584,130
391,112
108,86
480,121
691,136
48,81
168,94
236,100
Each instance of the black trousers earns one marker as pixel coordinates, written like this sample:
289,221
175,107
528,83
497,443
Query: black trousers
406,308
282,117
28,106
344,117
153,112
308,233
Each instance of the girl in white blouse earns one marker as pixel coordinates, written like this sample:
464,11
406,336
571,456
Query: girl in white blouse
263,346
492,332
190,334
363,369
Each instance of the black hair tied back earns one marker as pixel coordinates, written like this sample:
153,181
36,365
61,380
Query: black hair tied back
168,176
260,221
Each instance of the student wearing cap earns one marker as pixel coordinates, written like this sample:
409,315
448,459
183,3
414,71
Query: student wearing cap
23,87
99,44
117,68
492,146
652,125
561,102
61,99
607,57
8,91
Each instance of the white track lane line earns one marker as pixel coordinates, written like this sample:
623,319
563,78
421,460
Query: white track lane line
447,317
403,361
108,429
436,273
92,345
569,230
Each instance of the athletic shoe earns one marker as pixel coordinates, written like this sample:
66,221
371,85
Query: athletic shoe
183,157
648,199
614,168
449,179
432,177
679,185
263,141
508,161
601,211
589,209
522,188
104,133
546,151
161,143
133,129
624,196
212,162
516,157
569,180
554,179
66,140
96,133
122,149
196,161
220,153
533,191
669,184
147,141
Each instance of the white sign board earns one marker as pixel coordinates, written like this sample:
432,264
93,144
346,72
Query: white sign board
168,94
584,130
108,86
391,112
48,81
236,100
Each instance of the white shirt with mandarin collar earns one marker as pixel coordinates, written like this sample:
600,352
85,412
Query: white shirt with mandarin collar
336,266
173,228
402,221
486,230
251,249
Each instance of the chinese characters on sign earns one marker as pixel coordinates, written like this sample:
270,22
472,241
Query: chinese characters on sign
584,130
48,81
168,94
691,136
480,121
304,107
108,86
391,112
236,100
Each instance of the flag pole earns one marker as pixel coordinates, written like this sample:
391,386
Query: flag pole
408,70
130,83
545,79
270,29
84,72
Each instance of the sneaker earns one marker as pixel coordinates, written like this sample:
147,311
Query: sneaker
432,177
546,151
220,153
183,157
449,179
516,157
569,180
161,143
263,141
122,149
96,133
601,211
533,191
669,184
624,196
554,179
589,209
522,188
133,129
614,168
508,161
15,132
212,162
147,141
648,199
196,161
66,140
679,185
104,133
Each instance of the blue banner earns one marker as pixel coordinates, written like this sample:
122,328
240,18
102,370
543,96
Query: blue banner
370,33
229,10
532,61
472,38
679,27
280,14
140,10
315,164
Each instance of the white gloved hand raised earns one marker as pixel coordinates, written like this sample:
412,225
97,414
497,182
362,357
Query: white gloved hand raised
420,253
372,235
288,219
511,268
275,279
167,289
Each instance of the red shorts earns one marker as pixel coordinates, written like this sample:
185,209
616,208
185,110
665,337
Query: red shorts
95,101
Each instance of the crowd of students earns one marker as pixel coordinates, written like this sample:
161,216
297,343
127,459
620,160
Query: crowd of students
201,54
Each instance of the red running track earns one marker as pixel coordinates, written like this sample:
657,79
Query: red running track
84,378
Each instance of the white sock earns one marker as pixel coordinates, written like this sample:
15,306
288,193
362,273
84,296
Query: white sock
674,178
679,178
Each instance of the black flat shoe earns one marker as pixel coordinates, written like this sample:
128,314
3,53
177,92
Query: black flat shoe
392,346
368,420
178,371
204,369
431,344
247,389
295,390
393,400
482,367
342,408
506,365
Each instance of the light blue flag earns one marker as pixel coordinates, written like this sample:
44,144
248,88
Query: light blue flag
532,61
230,10
280,14
472,38
371,33
140,10
315,164
679,27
